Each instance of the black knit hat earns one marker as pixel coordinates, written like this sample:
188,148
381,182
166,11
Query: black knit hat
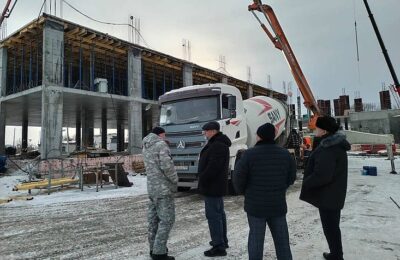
327,123
266,132
158,130
211,126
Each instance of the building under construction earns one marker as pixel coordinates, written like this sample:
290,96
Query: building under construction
55,74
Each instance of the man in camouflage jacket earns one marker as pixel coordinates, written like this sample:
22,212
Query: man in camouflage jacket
162,181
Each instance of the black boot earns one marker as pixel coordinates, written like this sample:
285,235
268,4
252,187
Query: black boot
329,256
215,251
226,245
162,257
151,251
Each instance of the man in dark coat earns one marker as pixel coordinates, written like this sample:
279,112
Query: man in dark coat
213,183
263,174
325,181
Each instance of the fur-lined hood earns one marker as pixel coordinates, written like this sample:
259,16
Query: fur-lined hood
337,138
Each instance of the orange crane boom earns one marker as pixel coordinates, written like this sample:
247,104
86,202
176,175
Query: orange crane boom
280,41
7,11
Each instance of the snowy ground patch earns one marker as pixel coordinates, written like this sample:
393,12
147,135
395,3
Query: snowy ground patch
112,223
72,193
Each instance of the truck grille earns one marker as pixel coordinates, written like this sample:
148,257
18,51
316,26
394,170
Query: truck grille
179,134
187,145
184,163
185,155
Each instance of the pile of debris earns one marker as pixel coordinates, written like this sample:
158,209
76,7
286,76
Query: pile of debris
138,167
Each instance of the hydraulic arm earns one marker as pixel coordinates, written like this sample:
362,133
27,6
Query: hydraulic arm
7,11
278,38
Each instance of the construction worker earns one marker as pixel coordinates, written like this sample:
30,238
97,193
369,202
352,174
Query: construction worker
213,180
325,182
162,182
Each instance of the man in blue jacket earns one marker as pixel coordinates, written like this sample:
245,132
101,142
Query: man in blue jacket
263,175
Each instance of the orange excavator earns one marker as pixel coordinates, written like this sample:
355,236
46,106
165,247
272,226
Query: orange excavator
278,38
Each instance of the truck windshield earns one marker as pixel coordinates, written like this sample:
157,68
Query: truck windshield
190,110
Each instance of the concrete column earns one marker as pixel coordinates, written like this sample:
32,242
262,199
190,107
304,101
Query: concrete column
52,119
24,147
87,129
2,128
250,93
52,98
90,136
78,125
134,73
104,128
53,53
135,108
3,71
187,75
135,127
224,80
155,115
120,136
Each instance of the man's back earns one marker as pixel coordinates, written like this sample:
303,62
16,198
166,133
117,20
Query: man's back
161,175
263,174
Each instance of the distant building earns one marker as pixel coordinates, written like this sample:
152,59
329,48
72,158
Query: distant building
384,97
377,122
358,105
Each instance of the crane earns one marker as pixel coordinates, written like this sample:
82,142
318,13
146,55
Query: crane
384,51
278,38
7,11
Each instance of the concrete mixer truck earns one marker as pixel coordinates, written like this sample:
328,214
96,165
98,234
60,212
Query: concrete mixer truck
184,111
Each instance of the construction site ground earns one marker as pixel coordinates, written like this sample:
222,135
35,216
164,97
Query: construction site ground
111,224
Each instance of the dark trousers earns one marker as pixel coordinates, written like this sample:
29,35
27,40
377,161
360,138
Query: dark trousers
330,220
280,234
215,214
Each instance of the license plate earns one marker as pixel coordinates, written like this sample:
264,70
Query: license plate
181,167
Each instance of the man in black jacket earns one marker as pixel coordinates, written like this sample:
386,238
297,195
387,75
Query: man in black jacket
325,181
263,175
213,179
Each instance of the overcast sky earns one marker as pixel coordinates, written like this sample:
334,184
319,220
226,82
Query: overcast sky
321,34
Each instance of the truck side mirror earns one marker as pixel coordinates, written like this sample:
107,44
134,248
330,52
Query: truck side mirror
232,106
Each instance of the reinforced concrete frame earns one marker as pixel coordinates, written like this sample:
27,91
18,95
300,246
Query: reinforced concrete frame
48,72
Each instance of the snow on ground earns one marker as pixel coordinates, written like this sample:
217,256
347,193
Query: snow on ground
370,220
111,223
70,194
